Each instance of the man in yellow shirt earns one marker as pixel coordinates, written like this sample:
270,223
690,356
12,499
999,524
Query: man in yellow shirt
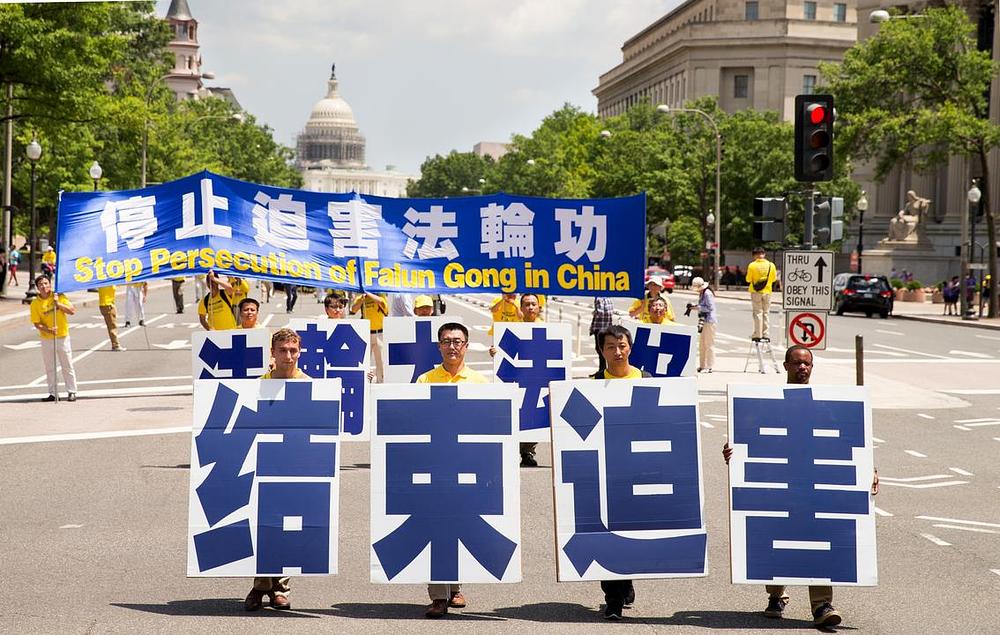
505,309
240,290
106,303
657,313
48,314
49,262
761,276
423,306
215,310
453,342
249,309
640,308
373,308
285,348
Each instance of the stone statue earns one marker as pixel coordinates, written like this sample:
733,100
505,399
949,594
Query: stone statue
906,225
333,71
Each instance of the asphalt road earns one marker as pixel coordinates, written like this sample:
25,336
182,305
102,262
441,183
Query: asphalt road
94,530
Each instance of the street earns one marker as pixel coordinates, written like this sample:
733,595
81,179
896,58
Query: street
94,504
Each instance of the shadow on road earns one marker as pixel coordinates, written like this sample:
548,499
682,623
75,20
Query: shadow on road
210,608
394,611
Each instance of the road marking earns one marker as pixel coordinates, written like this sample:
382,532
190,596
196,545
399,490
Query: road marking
996,571
25,346
71,526
267,320
937,541
961,428
995,422
972,391
914,479
885,481
86,436
988,337
923,416
977,523
912,352
889,332
960,471
706,424
971,354
976,420
916,454
878,440
996,438
881,512
91,382
146,391
174,345
975,529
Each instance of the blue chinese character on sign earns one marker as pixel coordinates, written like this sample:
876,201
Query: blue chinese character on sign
422,353
650,455
804,434
444,486
539,351
645,356
239,359
292,516
339,353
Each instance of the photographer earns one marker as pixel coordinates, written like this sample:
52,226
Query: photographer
706,324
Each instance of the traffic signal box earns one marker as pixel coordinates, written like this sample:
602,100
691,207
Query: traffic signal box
813,138
769,220
828,220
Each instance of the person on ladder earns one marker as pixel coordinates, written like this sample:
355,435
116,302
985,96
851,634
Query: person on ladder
761,276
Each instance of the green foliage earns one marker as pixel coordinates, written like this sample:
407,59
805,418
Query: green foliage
913,285
685,240
442,176
897,283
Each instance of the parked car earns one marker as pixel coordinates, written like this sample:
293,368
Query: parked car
683,274
862,293
668,278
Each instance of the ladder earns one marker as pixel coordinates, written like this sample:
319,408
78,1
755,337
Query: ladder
760,347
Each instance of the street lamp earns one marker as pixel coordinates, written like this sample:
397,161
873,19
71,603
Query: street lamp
718,184
605,134
95,173
34,152
881,15
974,195
862,206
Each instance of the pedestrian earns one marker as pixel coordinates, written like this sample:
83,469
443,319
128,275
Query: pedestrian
604,310
177,288
970,292
423,306
401,305
799,366
373,308
240,290
249,310
106,304
3,266
49,262
707,320
48,314
335,305
291,296
13,260
640,308
761,276
285,348
616,345
215,310
504,309
453,342
952,290
984,292
135,303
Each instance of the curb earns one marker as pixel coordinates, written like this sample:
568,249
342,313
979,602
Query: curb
975,324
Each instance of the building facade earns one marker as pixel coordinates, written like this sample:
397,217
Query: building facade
185,77
754,54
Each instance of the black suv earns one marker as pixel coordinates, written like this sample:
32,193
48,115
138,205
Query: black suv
862,293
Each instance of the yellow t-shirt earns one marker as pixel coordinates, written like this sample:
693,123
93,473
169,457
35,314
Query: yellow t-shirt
438,375
643,316
41,312
106,296
374,311
760,270
298,375
506,311
241,289
49,257
633,373
218,313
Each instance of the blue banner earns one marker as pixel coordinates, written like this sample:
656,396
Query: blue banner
483,244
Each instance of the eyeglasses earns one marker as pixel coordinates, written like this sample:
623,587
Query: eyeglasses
448,343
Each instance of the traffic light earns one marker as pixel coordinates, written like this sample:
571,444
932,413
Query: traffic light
813,138
828,220
769,220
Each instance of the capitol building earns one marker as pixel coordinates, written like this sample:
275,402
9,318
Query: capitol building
330,152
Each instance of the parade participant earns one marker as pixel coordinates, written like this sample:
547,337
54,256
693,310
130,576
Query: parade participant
616,345
106,304
48,314
335,305
761,276
215,310
401,305
604,310
373,308
177,288
640,308
49,262
13,260
291,296
423,306
799,366
241,289
285,348
657,313
249,310
453,341
707,320
135,303
505,309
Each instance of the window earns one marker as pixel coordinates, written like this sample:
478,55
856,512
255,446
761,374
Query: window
182,30
840,12
751,9
808,84
809,10
741,85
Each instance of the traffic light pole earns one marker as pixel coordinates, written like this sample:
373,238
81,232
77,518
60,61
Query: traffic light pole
807,220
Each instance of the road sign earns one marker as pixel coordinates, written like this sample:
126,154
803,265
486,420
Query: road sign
977,265
807,281
806,329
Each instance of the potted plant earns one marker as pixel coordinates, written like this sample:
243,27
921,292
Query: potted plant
914,292
937,294
899,288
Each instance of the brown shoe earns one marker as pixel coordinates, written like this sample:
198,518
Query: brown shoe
255,600
438,608
279,602
457,601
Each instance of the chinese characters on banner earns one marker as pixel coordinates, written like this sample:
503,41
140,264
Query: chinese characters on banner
532,355
800,478
628,483
265,484
444,475
411,346
234,354
482,244
664,350
339,349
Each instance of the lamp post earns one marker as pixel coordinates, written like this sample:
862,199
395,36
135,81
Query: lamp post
718,184
968,253
34,152
862,206
145,122
95,173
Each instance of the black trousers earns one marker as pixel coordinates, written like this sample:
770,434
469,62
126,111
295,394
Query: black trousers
291,295
617,591
177,287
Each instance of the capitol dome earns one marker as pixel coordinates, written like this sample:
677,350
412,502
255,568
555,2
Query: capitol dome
331,137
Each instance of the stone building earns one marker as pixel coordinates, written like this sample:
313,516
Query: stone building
185,77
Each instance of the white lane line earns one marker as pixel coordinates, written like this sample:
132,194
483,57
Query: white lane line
922,485
468,305
984,423
881,512
86,436
971,354
834,349
914,479
961,427
911,352
975,529
977,523
960,471
123,380
996,438
976,420
71,526
706,424
267,320
988,337
971,391
923,416
996,571
916,454
878,440
937,541
889,332
144,391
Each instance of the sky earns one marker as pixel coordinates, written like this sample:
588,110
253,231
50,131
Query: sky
423,77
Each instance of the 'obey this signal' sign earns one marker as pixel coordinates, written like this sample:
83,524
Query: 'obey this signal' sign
806,329
807,281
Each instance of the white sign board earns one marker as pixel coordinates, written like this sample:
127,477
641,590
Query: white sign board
807,281
806,328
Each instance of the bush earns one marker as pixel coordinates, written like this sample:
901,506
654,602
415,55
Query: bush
940,285
913,285
897,283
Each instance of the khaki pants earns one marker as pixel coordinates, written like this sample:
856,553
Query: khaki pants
761,305
59,346
111,321
818,595
376,352
177,287
443,591
278,586
706,352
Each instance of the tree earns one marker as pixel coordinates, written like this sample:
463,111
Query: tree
916,92
442,176
685,240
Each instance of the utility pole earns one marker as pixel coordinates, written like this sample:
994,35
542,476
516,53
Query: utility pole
7,229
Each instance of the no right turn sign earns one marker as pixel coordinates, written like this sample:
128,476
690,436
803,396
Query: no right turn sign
806,329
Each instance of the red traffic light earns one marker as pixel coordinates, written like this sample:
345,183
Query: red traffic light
817,113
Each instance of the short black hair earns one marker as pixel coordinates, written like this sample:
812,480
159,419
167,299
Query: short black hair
40,277
796,347
524,295
616,331
332,299
453,326
247,301
758,250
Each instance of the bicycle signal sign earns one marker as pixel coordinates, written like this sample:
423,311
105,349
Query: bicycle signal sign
807,281
806,329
